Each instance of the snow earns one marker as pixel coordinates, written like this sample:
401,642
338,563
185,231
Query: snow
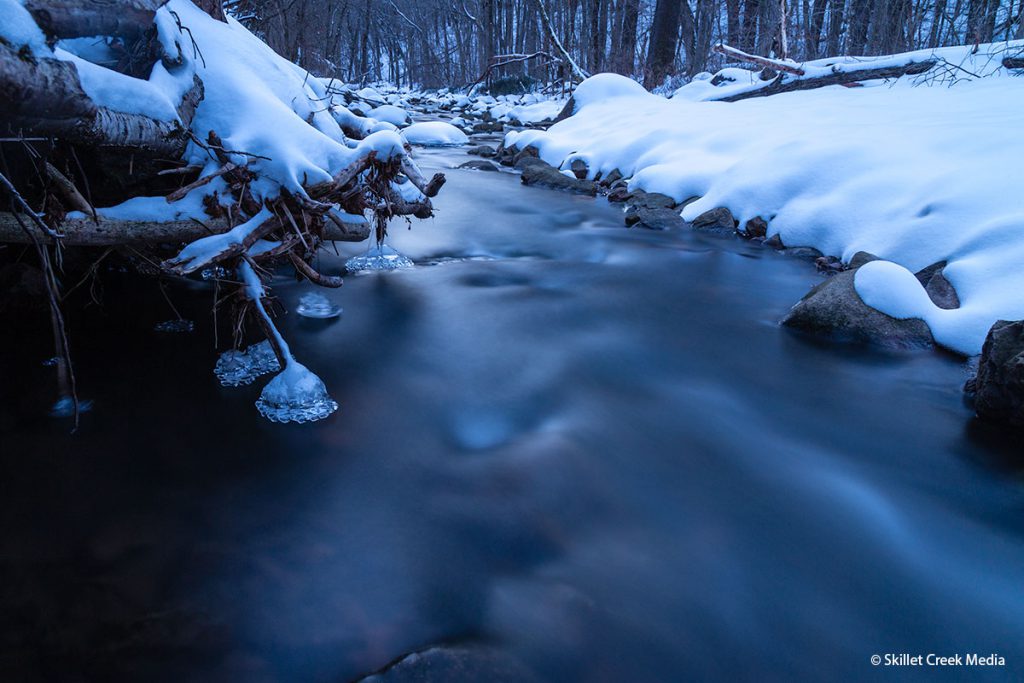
434,133
18,27
389,113
157,98
203,250
536,112
913,173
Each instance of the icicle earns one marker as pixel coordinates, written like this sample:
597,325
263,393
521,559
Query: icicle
295,394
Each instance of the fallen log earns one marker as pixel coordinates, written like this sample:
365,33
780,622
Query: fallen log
86,18
84,232
45,97
742,56
1013,63
839,75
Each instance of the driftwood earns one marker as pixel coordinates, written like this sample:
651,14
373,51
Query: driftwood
85,18
45,96
84,232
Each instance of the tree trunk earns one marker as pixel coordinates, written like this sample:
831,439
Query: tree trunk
45,96
79,18
661,51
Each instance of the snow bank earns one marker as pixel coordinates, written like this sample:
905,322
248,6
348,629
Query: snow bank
389,113
434,133
915,175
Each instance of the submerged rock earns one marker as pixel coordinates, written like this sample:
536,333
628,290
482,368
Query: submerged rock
485,151
999,386
833,308
479,165
455,664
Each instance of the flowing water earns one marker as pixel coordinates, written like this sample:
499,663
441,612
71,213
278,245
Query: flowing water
584,452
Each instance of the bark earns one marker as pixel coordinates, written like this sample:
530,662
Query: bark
661,51
839,76
45,97
81,18
84,232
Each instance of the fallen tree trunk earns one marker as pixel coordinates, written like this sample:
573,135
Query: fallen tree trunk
84,232
45,97
742,56
837,76
85,18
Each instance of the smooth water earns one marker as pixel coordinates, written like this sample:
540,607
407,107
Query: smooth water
587,451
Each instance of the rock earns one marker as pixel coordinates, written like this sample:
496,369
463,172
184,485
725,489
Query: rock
860,258
539,173
809,253
524,162
715,219
834,308
579,168
524,154
829,265
619,194
755,228
939,289
654,219
999,385
480,165
455,664
651,200
482,151
488,127
775,242
611,178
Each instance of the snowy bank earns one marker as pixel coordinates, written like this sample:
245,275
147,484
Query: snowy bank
914,171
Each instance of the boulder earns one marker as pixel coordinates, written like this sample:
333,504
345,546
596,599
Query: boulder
541,174
654,219
485,151
651,200
999,385
833,308
719,219
529,152
775,242
860,258
479,165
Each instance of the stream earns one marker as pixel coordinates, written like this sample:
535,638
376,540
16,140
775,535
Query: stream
565,451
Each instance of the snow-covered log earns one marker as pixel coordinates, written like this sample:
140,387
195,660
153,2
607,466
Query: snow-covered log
43,96
86,18
105,232
788,76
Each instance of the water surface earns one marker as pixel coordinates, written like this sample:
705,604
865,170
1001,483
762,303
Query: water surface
586,450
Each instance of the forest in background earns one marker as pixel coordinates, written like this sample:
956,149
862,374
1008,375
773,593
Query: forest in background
435,43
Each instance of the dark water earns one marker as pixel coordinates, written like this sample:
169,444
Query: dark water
584,451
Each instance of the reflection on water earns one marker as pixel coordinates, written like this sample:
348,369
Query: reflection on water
567,451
